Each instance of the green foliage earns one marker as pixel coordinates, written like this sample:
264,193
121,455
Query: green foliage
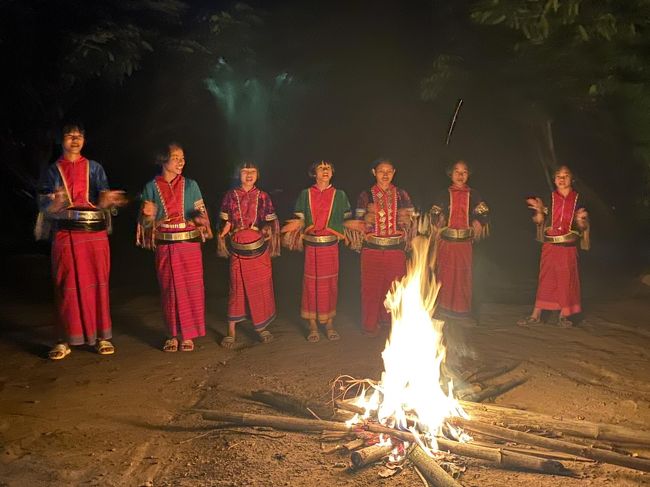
587,55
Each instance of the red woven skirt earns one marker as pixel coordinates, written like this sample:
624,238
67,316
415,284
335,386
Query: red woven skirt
179,267
320,282
559,281
81,263
379,268
454,273
251,290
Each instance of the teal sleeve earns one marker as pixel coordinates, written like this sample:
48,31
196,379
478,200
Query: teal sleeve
301,203
148,192
345,204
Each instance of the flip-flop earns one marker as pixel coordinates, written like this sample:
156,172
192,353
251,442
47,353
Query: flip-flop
59,351
564,322
187,346
529,321
332,334
313,336
266,336
171,345
228,342
104,347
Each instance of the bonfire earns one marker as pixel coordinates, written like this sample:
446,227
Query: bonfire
411,414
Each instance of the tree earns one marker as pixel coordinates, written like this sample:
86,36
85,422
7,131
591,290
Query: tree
560,57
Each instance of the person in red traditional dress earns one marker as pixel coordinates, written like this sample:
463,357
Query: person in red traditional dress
460,218
75,203
174,222
383,213
320,213
250,235
561,230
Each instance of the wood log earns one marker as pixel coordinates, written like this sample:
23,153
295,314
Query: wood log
292,404
585,429
278,422
434,473
553,455
369,455
504,459
520,437
496,390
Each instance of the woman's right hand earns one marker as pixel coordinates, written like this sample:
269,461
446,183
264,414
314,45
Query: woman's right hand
225,229
149,209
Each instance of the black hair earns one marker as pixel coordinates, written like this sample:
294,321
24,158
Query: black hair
314,165
164,153
72,126
381,160
450,167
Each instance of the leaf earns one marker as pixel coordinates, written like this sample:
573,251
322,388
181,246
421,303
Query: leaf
583,33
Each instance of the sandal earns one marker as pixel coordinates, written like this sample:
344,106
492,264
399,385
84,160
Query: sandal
332,334
529,321
266,336
313,336
59,351
104,347
228,342
187,346
564,322
171,345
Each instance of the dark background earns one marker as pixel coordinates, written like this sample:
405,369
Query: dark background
349,91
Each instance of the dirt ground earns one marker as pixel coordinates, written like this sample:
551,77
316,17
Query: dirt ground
125,420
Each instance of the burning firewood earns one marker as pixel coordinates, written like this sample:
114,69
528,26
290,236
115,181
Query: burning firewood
515,461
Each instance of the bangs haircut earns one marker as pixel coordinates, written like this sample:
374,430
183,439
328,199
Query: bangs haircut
314,165
164,153
450,167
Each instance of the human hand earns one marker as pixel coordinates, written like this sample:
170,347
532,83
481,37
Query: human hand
112,198
149,209
225,229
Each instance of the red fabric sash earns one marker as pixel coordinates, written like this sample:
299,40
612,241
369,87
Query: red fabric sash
75,176
385,210
172,196
320,203
320,283
81,265
559,281
379,268
179,267
562,211
454,272
458,207
251,290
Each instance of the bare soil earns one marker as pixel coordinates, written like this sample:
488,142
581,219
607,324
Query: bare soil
127,420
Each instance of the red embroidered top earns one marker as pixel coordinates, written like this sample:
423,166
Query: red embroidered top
563,209
321,203
75,176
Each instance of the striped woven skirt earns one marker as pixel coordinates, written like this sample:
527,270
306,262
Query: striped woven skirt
81,263
179,267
